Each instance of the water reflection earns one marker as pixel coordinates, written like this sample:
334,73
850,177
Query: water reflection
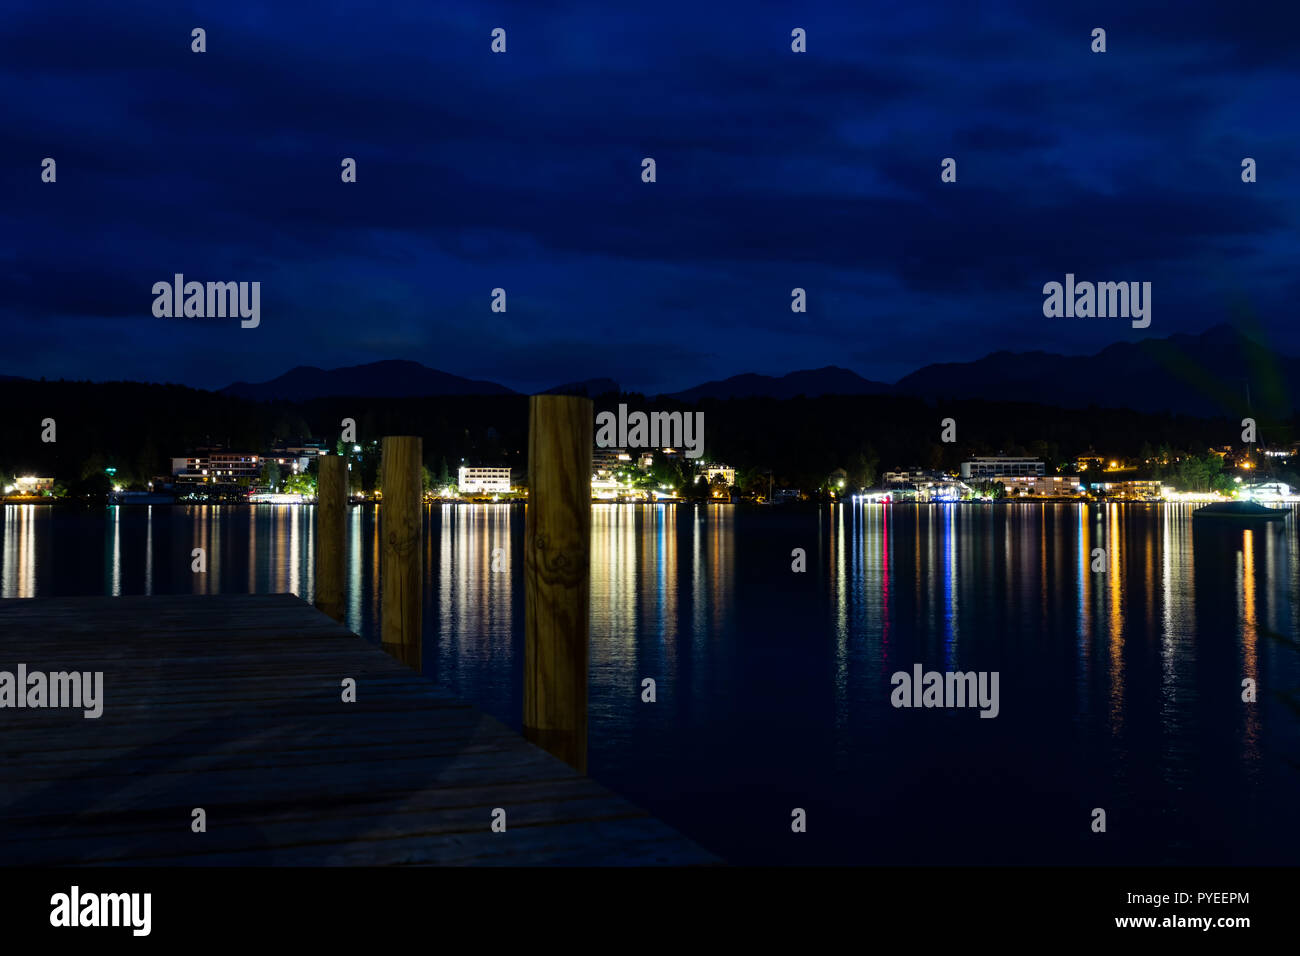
1249,638
1120,671
19,573
1114,548
113,560
148,551
352,573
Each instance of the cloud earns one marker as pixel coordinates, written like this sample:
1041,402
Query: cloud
523,171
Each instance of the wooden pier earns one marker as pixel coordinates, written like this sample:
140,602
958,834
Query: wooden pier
234,704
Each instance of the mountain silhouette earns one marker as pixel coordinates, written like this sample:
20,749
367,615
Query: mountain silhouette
394,378
592,388
1222,371
830,380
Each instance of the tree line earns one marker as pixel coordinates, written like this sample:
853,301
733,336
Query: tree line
793,443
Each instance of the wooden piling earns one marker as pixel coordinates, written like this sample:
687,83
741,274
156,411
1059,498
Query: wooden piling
557,575
401,516
331,519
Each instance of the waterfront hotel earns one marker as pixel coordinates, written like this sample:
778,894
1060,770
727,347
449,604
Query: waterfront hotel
486,481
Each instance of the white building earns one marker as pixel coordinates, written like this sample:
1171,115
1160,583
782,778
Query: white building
299,449
1002,466
1050,486
945,490
726,471
910,477
606,461
230,466
1267,491
32,485
478,480
1143,489
605,489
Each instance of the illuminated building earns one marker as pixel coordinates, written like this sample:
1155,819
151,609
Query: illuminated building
483,480
1001,467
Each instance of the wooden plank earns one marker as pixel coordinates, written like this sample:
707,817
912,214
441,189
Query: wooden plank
256,835
34,750
232,703
102,790
607,842
363,807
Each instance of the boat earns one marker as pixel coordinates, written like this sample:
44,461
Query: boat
1239,511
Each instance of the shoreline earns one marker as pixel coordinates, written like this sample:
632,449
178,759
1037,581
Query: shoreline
784,505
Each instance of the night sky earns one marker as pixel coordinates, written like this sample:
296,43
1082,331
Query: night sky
523,171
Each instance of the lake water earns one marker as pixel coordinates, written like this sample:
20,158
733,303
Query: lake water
1119,689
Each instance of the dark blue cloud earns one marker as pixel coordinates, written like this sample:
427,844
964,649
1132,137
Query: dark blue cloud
523,171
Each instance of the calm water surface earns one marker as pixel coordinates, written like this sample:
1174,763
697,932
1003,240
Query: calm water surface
1119,689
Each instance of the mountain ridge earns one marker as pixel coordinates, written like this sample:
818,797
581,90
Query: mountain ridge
388,378
1219,371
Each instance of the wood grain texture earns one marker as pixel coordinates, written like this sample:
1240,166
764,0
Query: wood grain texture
557,575
331,514
200,710
401,517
